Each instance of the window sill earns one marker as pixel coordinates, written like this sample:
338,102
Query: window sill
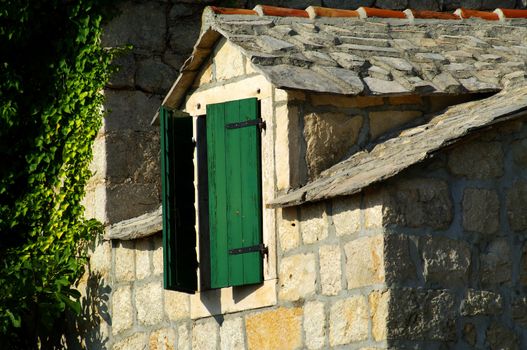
233,299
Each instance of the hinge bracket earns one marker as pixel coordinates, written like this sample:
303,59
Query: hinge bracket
255,248
260,123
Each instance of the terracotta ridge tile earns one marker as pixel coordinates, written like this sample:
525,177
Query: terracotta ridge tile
510,13
467,13
232,11
424,14
366,12
318,11
266,10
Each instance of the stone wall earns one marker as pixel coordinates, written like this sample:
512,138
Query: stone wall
455,249
323,129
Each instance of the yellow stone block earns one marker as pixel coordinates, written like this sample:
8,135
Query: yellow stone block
276,329
228,61
378,301
382,122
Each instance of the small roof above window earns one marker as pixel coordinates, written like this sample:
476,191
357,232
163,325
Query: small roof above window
368,51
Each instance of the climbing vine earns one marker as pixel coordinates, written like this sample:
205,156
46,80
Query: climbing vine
52,71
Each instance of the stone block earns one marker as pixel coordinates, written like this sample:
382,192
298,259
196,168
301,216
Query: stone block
346,215
183,33
446,262
142,25
154,76
142,258
373,209
481,302
288,229
184,338
378,301
162,339
138,341
365,261
313,222
470,334
421,315
348,321
149,303
205,75
481,210
205,335
297,277
122,310
143,167
398,264
418,202
124,261
228,61
126,201
384,121
177,305
157,255
496,262
330,270
517,205
101,259
125,75
329,137
500,337
477,160
519,310
232,334
315,325
523,266
275,329
130,110
519,153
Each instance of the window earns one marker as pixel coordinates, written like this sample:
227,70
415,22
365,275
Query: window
229,197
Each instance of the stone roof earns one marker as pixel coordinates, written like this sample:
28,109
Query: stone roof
411,146
362,53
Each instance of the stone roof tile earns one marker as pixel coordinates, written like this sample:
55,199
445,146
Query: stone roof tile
418,56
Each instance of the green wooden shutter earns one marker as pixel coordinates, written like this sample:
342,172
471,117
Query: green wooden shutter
179,235
234,193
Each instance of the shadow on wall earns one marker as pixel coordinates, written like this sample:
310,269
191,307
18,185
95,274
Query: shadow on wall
86,331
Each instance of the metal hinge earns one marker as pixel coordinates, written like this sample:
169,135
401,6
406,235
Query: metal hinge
260,123
255,248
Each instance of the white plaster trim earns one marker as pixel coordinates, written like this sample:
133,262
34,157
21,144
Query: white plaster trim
139,227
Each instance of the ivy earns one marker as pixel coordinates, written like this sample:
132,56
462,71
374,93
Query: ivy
52,72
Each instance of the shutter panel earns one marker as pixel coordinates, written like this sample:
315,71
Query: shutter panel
234,193
179,235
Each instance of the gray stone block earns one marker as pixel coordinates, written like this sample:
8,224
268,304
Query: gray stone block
347,4
392,4
128,200
299,4
124,76
142,25
133,157
183,34
154,76
132,110
421,314
431,5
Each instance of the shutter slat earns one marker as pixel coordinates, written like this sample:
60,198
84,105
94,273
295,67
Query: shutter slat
179,236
